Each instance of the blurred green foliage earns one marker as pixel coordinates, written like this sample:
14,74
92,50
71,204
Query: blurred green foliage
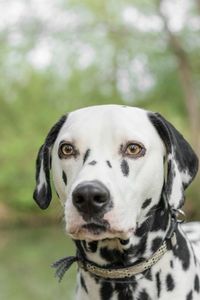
27,273
71,54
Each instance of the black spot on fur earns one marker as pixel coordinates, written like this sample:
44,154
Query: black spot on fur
160,217
124,291
171,264
93,246
139,249
125,167
189,296
148,275
106,291
83,284
87,153
158,284
64,176
156,244
134,283
145,227
181,250
109,164
89,246
121,258
170,283
196,283
97,280
195,260
142,229
146,203
144,296
92,163
112,256
157,218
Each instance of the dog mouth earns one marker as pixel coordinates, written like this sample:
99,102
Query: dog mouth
96,228
98,231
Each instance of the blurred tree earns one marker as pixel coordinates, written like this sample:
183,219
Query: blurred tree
198,4
59,55
186,79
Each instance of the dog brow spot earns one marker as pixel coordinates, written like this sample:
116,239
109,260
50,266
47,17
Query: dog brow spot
64,176
92,163
125,167
86,155
109,164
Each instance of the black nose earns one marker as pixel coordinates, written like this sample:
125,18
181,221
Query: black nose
91,198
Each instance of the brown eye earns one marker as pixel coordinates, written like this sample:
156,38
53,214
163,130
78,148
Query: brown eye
66,150
135,150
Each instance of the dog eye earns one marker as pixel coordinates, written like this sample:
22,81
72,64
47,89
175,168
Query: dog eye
66,149
134,150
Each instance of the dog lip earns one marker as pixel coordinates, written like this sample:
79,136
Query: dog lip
83,233
95,227
98,231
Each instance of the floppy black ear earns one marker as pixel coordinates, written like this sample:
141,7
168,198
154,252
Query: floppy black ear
42,194
182,162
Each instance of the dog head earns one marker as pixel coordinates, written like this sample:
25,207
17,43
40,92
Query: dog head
108,167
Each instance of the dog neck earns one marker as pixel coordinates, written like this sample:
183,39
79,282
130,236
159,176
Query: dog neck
146,240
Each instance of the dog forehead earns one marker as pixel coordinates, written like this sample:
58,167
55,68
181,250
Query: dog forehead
109,122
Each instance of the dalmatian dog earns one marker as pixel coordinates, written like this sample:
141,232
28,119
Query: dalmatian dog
120,173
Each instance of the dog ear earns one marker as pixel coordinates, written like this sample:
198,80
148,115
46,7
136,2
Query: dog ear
182,162
42,194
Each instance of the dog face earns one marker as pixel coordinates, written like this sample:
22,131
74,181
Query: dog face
108,169
117,148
